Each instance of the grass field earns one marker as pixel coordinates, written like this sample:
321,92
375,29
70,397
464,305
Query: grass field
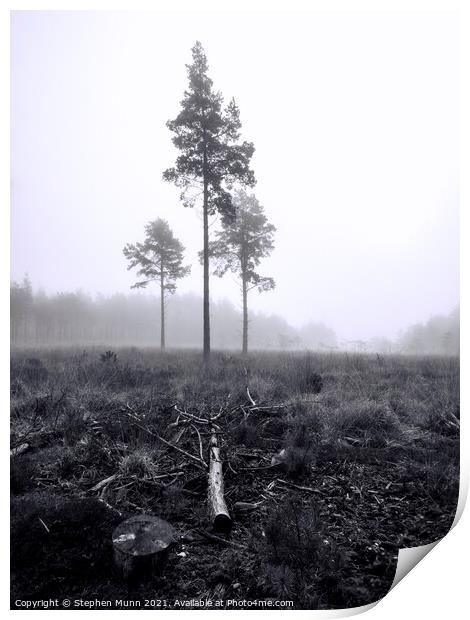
370,464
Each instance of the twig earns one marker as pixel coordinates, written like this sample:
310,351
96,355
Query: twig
200,441
215,538
260,467
269,407
252,456
245,414
249,396
197,419
196,459
103,501
173,424
246,507
104,482
300,488
45,526
177,436
231,468
154,479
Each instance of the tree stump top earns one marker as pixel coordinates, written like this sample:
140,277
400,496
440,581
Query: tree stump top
143,535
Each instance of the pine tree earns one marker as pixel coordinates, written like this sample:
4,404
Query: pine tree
239,248
159,259
211,158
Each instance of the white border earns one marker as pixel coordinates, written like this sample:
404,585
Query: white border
439,585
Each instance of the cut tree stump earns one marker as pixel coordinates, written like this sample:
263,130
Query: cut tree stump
218,510
141,546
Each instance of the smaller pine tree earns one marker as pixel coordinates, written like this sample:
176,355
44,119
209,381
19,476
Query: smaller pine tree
158,259
239,248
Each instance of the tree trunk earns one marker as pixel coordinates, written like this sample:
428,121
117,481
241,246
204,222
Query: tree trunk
162,311
205,308
220,516
206,316
245,317
141,546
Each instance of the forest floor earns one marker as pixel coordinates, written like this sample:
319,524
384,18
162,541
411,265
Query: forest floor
370,465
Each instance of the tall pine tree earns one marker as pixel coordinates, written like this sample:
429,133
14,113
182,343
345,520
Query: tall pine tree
211,158
159,259
239,248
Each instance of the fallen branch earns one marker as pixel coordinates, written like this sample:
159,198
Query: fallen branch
178,434
19,449
300,488
193,458
180,450
218,539
259,467
252,456
269,407
104,482
44,525
196,419
154,480
200,441
246,507
112,508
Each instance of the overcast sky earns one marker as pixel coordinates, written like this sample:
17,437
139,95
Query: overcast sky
354,118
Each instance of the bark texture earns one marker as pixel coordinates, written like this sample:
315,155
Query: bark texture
219,513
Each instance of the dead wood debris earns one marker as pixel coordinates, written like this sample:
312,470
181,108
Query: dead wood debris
218,539
21,449
193,458
298,487
219,514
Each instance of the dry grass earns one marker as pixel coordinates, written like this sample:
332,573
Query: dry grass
376,436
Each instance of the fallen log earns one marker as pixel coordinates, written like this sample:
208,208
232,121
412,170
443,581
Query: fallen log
218,510
141,546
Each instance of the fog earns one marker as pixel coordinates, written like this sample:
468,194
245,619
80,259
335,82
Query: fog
354,118
77,319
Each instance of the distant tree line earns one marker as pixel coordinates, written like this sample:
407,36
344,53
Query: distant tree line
38,319
440,335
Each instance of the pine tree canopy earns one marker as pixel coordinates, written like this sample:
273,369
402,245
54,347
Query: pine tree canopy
208,138
243,242
159,257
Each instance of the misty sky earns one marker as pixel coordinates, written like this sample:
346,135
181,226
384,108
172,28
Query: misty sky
354,118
